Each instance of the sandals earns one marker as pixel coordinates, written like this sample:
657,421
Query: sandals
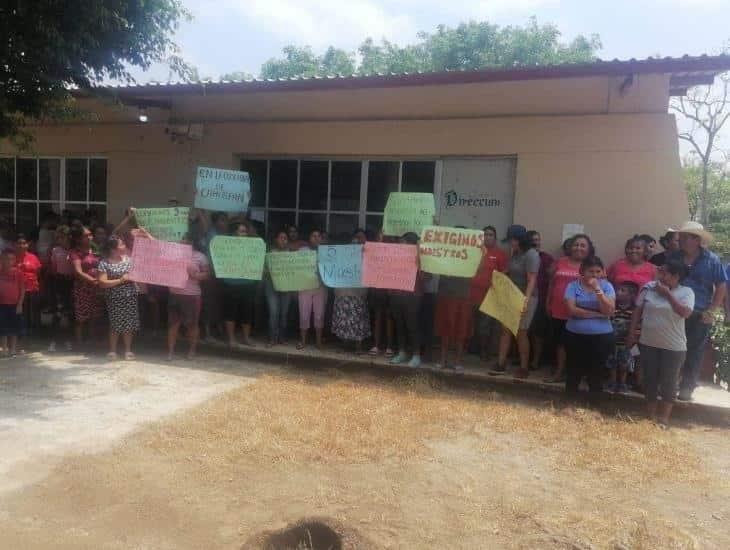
112,356
389,352
129,356
300,346
373,351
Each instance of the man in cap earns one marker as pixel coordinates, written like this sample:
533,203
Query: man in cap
708,280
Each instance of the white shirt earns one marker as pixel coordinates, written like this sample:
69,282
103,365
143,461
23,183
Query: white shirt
661,327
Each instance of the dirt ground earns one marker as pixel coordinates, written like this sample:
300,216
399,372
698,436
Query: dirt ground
402,463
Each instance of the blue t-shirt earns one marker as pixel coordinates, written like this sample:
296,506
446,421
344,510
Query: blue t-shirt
588,300
704,275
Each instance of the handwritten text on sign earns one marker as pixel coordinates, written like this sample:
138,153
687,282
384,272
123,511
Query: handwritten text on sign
341,266
224,190
504,302
408,212
160,263
451,251
293,270
238,257
166,224
390,266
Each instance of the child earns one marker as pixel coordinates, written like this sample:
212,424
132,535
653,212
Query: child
183,306
350,317
621,362
12,295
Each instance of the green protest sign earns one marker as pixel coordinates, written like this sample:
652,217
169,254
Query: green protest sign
293,270
408,212
238,257
450,251
165,224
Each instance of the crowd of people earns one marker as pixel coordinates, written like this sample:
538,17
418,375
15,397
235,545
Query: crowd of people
642,320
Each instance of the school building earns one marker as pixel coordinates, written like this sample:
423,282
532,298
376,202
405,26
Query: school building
589,144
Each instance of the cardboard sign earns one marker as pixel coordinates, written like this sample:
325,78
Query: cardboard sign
160,263
572,229
451,251
341,266
222,190
166,224
408,212
504,301
390,266
291,271
238,257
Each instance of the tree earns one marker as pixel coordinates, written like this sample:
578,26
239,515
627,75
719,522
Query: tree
49,47
302,61
707,109
471,45
718,199
237,75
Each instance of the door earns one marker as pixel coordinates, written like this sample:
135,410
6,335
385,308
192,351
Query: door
477,193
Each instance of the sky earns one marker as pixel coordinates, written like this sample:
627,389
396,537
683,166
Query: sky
239,35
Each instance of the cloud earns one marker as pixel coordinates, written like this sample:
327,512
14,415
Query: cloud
319,23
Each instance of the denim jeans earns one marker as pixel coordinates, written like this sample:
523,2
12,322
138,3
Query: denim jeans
697,335
278,305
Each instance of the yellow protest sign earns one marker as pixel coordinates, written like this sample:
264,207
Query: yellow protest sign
504,302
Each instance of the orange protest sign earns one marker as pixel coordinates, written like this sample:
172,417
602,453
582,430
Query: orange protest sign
160,262
390,266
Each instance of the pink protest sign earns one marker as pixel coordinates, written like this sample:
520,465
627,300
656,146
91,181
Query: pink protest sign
160,262
391,266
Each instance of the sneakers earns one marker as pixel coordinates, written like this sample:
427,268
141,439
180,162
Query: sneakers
415,362
398,359
685,394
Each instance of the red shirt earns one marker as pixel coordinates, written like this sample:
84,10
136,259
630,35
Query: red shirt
29,265
494,260
624,272
89,261
11,286
565,273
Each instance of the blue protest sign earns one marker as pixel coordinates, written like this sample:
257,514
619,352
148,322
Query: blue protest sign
223,190
340,266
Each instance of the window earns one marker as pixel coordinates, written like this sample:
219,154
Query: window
30,187
382,180
333,195
418,177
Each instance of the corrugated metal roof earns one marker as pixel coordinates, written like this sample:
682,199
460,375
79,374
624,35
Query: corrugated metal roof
686,66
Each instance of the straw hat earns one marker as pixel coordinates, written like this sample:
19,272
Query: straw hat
695,228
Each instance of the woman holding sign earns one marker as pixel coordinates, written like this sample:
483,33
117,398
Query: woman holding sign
277,302
239,296
523,267
312,302
121,296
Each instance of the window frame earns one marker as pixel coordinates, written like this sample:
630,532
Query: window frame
61,202
363,213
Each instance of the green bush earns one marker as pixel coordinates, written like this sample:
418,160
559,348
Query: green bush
721,345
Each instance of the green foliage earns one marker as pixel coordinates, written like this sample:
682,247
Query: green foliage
721,344
49,46
718,194
302,61
471,45
236,75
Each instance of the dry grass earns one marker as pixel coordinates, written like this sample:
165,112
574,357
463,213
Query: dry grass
329,420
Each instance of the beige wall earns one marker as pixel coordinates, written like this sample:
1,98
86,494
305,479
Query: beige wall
618,174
